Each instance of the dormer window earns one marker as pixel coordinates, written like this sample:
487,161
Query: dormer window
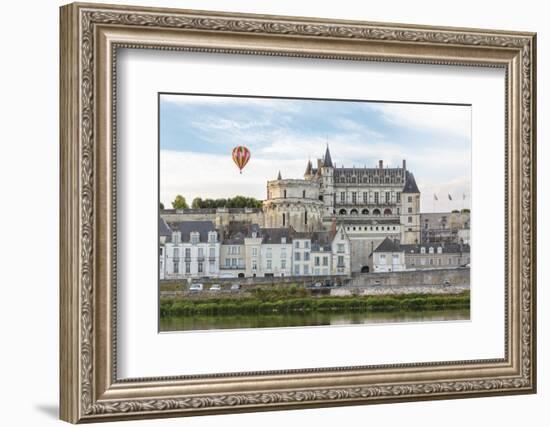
431,250
439,250
212,237
194,237
283,240
422,250
176,237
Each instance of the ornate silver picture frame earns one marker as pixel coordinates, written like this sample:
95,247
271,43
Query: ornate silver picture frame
91,37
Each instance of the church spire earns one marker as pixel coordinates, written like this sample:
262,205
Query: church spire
328,160
308,168
279,176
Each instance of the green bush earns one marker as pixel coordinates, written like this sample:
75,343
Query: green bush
280,301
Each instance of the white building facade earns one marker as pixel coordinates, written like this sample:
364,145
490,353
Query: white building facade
194,249
191,251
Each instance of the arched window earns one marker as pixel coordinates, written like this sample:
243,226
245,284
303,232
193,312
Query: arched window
284,194
387,211
343,212
304,194
353,212
376,212
365,211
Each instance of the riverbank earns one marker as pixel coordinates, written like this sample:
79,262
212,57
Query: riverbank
296,301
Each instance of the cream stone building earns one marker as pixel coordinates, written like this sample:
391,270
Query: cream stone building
369,203
390,256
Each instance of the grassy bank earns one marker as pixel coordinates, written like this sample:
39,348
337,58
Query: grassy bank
281,302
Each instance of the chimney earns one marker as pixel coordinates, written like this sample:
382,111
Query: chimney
404,164
333,227
381,164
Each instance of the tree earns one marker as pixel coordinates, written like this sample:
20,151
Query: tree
465,210
197,203
232,202
161,205
180,202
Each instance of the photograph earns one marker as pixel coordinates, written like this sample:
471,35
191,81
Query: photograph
299,212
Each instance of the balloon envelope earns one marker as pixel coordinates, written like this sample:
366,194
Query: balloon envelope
241,156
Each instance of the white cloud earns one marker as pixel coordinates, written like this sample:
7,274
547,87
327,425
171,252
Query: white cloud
282,104
457,188
448,119
214,176
441,164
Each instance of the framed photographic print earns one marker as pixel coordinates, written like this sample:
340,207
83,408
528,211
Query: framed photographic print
265,212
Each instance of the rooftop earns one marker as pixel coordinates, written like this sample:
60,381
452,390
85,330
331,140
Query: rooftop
188,227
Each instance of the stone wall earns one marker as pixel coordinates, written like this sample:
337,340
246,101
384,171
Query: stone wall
456,276
220,217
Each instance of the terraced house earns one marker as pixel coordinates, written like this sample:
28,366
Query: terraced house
189,249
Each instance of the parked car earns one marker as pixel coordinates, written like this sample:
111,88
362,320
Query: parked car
316,285
446,282
215,287
196,287
235,286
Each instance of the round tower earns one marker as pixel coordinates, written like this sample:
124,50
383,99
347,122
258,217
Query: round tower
293,203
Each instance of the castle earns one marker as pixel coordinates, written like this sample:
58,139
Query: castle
358,196
367,204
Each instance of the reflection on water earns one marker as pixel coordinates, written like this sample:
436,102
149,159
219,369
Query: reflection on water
195,323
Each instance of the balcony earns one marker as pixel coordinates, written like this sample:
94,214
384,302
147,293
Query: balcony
232,267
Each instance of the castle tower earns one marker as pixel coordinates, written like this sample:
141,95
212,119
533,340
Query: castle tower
410,210
293,203
327,184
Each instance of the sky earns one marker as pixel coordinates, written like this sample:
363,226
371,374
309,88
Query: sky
198,133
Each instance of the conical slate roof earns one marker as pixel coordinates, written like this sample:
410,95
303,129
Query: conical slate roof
308,168
410,184
279,176
328,160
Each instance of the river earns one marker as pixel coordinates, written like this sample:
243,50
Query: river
196,323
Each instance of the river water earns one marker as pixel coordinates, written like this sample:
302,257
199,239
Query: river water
196,323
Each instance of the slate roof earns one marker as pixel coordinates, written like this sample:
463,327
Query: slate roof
328,160
164,230
319,239
388,245
410,184
187,227
448,248
309,168
237,231
274,235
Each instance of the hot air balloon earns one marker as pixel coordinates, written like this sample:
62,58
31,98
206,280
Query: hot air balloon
241,156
